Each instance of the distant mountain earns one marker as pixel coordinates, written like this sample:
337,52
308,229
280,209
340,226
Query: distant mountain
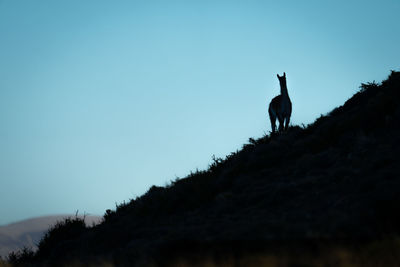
27,233
326,194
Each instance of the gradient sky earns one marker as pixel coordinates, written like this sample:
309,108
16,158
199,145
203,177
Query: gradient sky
99,100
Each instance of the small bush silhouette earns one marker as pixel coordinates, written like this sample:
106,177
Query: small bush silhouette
21,258
58,234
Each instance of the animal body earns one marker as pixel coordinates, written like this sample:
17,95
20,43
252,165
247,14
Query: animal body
280,107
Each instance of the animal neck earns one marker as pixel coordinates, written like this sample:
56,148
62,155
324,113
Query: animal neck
284,91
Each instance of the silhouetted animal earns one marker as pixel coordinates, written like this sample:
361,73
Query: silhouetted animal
280,107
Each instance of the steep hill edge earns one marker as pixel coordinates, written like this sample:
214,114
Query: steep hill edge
336,179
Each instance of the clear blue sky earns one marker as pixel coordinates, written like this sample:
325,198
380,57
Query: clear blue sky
99,100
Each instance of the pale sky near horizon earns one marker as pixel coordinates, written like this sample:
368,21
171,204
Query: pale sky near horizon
99,100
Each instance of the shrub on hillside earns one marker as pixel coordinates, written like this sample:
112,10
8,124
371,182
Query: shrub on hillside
59,233
20,258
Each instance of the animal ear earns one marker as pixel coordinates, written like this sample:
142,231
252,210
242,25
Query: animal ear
284,74
278,76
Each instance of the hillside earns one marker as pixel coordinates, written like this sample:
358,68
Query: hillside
29,232
335,182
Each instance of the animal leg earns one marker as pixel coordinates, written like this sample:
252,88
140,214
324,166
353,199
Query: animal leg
272,117
287,123
281,122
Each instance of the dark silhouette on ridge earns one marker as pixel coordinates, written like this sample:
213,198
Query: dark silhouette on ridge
334,184
280,107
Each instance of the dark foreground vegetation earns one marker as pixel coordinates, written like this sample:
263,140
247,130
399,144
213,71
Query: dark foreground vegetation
323,195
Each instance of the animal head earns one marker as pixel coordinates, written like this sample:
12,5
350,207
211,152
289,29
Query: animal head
282,79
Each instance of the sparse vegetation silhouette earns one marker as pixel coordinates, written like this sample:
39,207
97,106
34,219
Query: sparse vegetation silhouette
326,194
